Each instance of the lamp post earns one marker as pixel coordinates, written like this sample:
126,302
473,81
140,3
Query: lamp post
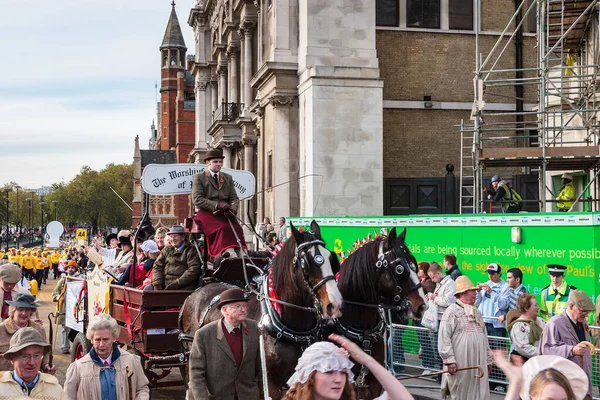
7,190
55,209
42,216
18,225
29,200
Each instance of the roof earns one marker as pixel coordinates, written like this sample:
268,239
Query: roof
173,36
158,157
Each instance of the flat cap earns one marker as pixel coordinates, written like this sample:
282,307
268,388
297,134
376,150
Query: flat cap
581,300
10,273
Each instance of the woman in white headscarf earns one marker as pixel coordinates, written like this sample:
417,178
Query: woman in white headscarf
324,371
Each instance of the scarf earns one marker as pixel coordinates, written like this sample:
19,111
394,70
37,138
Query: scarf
535,330
469,310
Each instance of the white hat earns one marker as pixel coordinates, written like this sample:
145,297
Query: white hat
576,376
150,246
567,175
322,357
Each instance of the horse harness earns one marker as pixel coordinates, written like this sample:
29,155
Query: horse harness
301,260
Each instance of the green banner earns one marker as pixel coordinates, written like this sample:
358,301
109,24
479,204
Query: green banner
525,241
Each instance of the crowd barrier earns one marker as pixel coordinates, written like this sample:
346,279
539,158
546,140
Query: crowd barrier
413,350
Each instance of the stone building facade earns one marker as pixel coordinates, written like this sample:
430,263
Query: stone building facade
291,91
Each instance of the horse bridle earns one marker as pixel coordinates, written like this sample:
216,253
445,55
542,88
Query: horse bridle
399,269
301,259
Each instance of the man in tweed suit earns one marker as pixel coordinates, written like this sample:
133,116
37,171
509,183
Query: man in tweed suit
216,202
225,358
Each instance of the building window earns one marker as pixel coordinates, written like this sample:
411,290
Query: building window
165,132
423,13
387,12
531,17
164,107
460,14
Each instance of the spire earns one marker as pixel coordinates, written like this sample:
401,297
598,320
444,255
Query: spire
173,36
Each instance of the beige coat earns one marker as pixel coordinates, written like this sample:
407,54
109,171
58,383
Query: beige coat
7,330
47,388
83,379
214,374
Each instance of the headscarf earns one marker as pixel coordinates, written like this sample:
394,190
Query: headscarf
322,357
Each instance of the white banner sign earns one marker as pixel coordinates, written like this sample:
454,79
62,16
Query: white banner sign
165,179
74,308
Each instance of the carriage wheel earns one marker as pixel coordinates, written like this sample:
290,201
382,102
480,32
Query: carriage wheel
81,346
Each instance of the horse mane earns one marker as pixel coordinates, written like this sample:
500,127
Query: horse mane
358,277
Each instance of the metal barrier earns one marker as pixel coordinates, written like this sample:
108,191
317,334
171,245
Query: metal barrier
414,348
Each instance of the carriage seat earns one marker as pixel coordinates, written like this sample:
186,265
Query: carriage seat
230,270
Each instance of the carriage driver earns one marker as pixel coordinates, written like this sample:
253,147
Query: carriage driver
216,203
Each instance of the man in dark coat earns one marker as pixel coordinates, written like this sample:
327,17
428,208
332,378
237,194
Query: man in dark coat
178,267
216,202
225,357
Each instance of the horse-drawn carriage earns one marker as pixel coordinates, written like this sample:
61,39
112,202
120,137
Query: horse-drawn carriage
294,296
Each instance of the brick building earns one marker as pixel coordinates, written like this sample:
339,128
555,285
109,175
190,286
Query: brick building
173,140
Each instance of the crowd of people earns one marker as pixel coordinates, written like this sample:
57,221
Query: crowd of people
463,316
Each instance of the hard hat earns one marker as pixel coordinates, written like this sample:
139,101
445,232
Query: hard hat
496,178
567,175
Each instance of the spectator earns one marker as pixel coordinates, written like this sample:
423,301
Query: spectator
26,351
426,341
543,377
442,297
487,297
507,300
159,237
324,372
212,374
20,312
282,230
463,342
555,296
10,274
178,267
526,331
107,371
563,334
58,296
451,267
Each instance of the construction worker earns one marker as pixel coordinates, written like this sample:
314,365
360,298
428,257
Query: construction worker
502,192
566,196
555,296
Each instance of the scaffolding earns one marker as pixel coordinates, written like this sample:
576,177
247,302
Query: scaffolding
550,124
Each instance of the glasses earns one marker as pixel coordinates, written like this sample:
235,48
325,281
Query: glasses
27,357
239,307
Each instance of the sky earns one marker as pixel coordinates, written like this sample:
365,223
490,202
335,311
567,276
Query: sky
77,83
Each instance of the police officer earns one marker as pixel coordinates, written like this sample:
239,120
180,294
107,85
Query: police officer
555,296
566,196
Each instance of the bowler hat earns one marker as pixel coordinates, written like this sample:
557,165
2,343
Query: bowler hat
10,273
212,154
463,284
124,240
25,337
23,300
232,296
176,229
581,300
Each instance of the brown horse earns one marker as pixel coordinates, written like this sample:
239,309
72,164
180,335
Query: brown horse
303,276
377,277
